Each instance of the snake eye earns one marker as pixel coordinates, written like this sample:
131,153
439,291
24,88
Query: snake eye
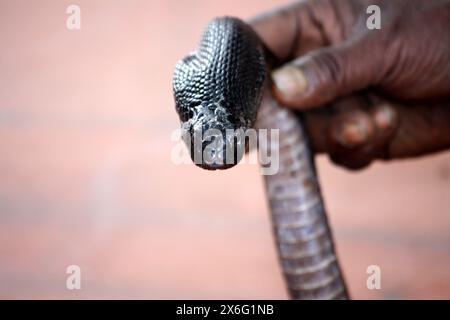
194,104
191,111
231,118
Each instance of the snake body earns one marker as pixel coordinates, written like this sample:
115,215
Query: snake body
220,86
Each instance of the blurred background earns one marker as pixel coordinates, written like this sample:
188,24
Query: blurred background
86,176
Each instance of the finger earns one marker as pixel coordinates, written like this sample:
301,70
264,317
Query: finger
295,29
354,131
352,134
323,75
358,129
422,129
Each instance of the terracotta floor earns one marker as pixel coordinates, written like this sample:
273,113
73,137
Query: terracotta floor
86,175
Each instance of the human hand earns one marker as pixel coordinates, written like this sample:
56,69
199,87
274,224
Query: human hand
387,90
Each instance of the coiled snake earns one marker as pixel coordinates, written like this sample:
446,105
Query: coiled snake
220,87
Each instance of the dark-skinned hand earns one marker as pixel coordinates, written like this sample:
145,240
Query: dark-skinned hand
366,94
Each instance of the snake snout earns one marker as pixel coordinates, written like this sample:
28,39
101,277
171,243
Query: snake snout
213,136
214,144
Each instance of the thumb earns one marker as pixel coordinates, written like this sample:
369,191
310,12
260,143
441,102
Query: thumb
326,74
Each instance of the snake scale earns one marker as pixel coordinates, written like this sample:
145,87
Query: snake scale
220,86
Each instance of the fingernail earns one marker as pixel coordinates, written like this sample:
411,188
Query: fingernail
352,134
384,117
290,81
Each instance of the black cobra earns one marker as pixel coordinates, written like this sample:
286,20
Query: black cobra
220,87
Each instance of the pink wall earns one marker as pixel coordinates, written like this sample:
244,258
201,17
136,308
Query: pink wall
86,176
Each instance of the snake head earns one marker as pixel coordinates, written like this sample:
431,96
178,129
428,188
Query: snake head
217,91
215,138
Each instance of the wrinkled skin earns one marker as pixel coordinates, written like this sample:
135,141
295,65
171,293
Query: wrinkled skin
368,94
